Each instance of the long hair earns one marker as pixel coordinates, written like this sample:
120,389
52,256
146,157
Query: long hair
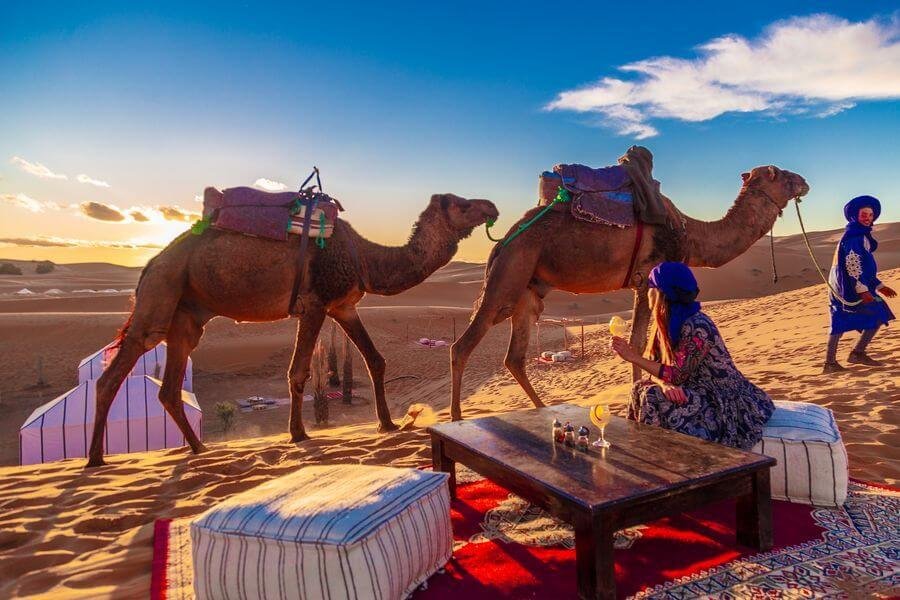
659,344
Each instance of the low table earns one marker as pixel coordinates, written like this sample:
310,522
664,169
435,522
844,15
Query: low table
648,473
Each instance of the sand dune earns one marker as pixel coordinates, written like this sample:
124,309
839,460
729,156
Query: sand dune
74,533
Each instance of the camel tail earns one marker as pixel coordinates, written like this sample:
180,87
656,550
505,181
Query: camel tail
487,271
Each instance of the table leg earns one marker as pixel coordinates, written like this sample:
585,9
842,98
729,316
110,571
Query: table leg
594,559
440,462
754,513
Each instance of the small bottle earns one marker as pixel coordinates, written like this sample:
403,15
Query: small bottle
558,434
569,434
582,442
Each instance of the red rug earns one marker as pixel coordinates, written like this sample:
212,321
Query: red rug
506,548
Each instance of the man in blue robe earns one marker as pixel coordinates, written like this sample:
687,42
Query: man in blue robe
856,293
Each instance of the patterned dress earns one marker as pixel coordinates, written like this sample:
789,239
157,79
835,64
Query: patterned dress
722,405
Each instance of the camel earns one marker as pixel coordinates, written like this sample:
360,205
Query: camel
560,252
245,278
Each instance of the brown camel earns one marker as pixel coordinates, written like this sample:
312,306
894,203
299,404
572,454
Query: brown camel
221,273
560,252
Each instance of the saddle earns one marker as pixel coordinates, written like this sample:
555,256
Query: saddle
604,196
270,215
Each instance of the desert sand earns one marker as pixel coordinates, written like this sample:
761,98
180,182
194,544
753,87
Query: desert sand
67,532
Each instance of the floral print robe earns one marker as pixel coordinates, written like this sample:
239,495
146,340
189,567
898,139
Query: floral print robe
722,405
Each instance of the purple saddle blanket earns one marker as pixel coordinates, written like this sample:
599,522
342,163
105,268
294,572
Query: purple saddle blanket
254,212
603,196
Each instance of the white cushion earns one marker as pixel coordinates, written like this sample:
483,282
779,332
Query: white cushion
339,531
812,459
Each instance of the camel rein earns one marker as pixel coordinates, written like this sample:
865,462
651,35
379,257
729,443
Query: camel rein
562,195
833,291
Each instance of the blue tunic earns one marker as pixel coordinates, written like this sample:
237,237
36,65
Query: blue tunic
853,272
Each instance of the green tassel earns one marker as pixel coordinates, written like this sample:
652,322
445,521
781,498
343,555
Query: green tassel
562,195
200,226
320,241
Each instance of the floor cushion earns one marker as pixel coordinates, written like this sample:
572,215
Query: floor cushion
812,459
337,531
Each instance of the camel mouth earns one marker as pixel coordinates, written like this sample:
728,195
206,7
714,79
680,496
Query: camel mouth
487,208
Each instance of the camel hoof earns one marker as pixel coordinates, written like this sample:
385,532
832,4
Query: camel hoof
301,437
93,463
387,427
456,416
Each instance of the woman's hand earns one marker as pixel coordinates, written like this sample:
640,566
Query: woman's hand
624,349
866,298
888,292
674,394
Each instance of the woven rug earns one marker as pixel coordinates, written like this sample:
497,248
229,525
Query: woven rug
506,548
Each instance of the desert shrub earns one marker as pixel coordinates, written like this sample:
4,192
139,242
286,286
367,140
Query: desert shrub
9,269
347,377
226,413
319,379
44,267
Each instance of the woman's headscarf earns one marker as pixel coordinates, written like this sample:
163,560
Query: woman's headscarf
851,212
677,283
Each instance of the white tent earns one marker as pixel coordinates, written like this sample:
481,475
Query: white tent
62,428
152,363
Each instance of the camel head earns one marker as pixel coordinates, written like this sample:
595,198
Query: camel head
462,215
780,185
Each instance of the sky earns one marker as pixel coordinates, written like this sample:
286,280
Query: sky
115,116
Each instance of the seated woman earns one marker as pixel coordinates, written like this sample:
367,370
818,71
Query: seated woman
695,387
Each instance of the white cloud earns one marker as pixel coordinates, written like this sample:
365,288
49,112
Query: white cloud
36,169
819,65
268,184
29,203
56,242
82,178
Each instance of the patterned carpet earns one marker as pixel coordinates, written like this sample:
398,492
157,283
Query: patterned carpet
506,548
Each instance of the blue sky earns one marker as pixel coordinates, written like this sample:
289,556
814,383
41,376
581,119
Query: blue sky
396,103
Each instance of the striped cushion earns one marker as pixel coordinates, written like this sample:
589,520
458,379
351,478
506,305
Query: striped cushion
812,460
339,531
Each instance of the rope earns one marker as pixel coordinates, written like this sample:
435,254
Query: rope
562,195
816,263
772,245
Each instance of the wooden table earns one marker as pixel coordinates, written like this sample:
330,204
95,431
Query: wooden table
648,473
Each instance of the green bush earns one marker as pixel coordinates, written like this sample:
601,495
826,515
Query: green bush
43,267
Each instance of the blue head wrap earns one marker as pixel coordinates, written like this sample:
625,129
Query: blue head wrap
679,287
851,212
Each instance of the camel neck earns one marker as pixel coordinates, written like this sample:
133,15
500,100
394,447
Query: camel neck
394,269
714,243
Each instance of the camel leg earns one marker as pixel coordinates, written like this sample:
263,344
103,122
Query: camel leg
639,324
149,324
459,355
183,336
308,326
350,322
524,315
505,283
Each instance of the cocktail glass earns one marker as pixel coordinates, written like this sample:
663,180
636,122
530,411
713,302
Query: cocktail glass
600,417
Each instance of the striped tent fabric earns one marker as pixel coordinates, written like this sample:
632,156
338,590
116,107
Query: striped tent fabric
337,531
812,460
62,428
152,363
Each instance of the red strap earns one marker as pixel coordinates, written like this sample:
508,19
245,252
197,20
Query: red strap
634,253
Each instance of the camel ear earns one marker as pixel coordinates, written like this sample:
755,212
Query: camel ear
745,177
772,172
443,200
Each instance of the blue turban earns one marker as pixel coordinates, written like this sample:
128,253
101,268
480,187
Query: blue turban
678,285
852,208
851,211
